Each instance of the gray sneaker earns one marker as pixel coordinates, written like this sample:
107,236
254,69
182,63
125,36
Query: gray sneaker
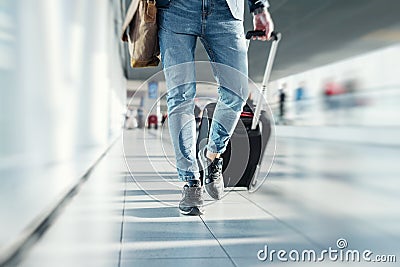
192,200
213,180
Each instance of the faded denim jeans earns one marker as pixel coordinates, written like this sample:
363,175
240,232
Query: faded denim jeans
180,24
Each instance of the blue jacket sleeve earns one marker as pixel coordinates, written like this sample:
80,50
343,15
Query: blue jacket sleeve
253,4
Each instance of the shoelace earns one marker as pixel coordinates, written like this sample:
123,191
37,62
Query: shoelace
196,192
216,170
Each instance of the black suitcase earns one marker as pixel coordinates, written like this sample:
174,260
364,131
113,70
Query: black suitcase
245,150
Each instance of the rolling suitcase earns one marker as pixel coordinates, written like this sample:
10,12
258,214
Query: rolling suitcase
245,150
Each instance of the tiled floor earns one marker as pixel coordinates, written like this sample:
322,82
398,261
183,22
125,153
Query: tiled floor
316,193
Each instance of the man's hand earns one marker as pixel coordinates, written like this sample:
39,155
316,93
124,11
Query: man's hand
263,22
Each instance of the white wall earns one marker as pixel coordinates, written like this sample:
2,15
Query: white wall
63,97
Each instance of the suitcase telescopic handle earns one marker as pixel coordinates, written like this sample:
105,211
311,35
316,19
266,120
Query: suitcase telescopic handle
276,38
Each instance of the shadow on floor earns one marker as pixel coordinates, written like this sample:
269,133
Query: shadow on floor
152,192
163,212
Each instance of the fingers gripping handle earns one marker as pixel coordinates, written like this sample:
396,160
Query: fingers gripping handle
267,74
274,35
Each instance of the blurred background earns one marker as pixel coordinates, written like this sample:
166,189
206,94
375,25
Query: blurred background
66,88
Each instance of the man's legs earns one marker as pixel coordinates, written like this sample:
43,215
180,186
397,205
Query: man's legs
177,46
177,51
225,43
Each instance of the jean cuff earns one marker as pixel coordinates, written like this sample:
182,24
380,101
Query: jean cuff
213,149
185,178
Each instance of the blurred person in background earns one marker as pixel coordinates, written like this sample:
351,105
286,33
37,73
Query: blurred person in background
130,119
350,87
140,120
282,101
332,91
299,96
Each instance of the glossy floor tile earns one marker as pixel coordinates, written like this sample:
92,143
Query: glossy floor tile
317,193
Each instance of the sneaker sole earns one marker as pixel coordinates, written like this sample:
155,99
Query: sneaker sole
195,211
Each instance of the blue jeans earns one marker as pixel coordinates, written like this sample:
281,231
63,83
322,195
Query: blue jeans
180,24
